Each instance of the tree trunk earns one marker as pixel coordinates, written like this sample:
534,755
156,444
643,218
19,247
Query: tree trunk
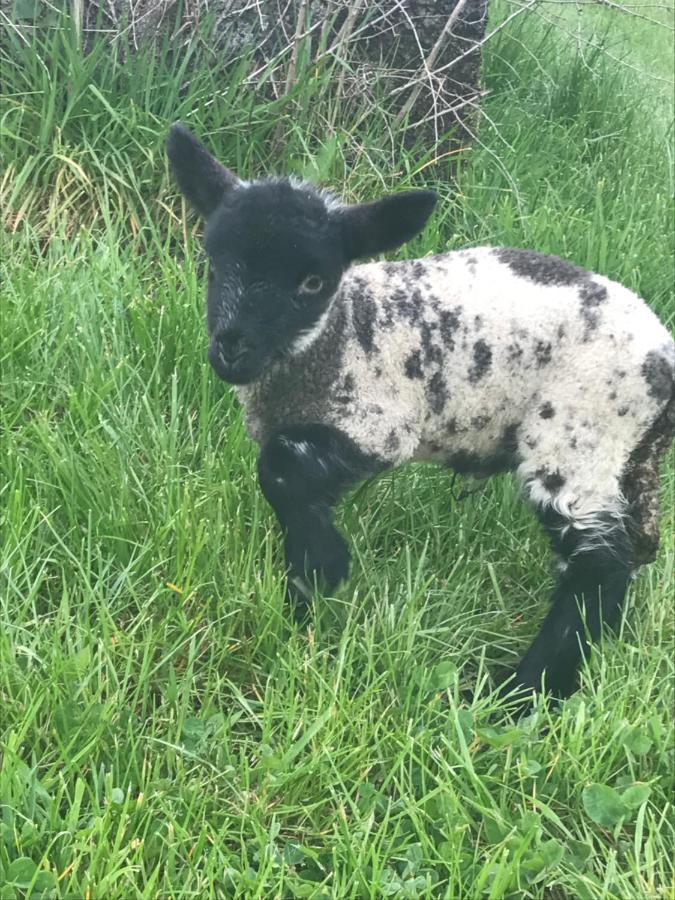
421,54
415,61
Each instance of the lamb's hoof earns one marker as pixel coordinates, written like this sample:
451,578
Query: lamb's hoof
467,697
328,561
517,697
320,567
299,595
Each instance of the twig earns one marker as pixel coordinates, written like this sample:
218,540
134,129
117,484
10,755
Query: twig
474,137
518,12
343,37
431,59
293,64
591,43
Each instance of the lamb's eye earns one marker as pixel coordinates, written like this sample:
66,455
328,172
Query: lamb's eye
311,285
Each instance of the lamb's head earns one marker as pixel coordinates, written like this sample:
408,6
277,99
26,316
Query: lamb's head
277,251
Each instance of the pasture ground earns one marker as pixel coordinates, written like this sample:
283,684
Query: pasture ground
166,731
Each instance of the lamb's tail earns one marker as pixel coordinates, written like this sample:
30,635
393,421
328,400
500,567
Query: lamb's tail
640,481
666,419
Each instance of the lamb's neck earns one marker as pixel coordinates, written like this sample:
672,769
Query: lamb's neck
323,324
315,358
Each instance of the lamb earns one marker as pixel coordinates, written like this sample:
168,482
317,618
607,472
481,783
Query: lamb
484,360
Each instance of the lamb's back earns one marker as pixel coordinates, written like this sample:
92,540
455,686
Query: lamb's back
451,354
477,358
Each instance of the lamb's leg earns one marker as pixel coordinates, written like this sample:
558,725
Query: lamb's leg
589,594
303,470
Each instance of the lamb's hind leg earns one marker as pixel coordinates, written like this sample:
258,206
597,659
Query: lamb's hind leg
600,546
597,556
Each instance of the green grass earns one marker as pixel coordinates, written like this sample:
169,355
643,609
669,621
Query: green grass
166,730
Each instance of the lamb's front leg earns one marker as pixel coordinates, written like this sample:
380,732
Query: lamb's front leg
303,470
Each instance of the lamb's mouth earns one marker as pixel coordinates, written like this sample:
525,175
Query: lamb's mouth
243,370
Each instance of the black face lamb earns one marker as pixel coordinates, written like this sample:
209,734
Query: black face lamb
484,360
277,252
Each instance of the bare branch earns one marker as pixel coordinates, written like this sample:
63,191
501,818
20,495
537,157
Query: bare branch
431,59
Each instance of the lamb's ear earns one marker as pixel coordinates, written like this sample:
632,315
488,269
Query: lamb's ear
200,176
372,228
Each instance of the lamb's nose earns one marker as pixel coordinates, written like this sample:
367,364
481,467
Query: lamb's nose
231,345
